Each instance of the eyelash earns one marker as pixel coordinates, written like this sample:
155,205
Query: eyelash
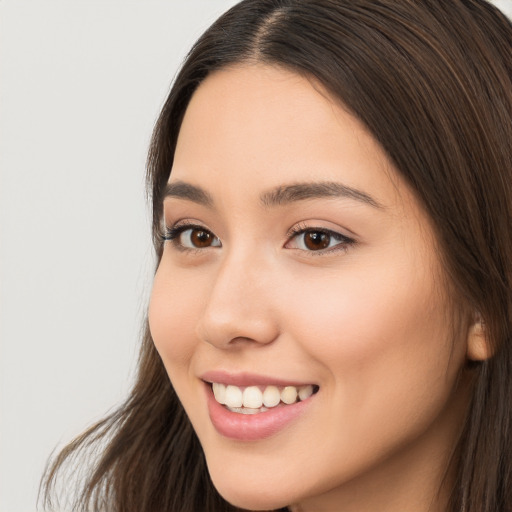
343,242
173,234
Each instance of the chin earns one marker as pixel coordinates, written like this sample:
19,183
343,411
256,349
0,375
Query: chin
257,501
250,494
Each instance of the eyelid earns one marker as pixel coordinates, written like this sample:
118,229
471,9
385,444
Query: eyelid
172,228
173,233
344,241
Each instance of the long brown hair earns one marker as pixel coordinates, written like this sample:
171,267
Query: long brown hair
432,81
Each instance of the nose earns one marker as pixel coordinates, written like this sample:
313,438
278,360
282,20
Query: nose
239,307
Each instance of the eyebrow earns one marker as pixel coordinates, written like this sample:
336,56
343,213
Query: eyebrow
193,193
278,196
304,191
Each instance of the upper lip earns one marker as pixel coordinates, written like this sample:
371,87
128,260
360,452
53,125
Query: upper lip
249,379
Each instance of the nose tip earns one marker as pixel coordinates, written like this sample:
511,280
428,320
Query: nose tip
225,332
238,309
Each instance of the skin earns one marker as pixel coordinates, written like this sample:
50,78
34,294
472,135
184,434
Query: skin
368,321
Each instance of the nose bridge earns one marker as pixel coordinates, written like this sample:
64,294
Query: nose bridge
238,305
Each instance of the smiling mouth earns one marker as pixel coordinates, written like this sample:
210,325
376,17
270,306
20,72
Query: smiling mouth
259,399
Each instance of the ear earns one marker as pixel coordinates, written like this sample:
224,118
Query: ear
478,346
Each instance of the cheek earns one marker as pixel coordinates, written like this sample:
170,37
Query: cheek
386,359
172,315
383,336
358,314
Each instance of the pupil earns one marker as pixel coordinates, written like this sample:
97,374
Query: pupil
201,238
316,240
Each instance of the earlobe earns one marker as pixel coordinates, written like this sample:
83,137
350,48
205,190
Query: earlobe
478,346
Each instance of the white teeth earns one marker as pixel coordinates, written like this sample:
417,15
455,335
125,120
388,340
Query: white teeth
251,400
289,395
233,396
219,390
252,397
305,392
271,396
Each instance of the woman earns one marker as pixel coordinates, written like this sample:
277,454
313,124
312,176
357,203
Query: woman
330,322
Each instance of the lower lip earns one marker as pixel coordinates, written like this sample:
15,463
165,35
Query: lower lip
252,427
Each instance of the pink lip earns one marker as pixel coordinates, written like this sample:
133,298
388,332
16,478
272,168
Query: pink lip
248,379
252,427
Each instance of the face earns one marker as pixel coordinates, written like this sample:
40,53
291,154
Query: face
297,262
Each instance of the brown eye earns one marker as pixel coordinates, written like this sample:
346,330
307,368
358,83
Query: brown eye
198,238
316,240
192,237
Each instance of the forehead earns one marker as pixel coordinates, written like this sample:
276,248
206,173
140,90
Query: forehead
261,127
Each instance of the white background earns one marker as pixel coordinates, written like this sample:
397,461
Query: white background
81,85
